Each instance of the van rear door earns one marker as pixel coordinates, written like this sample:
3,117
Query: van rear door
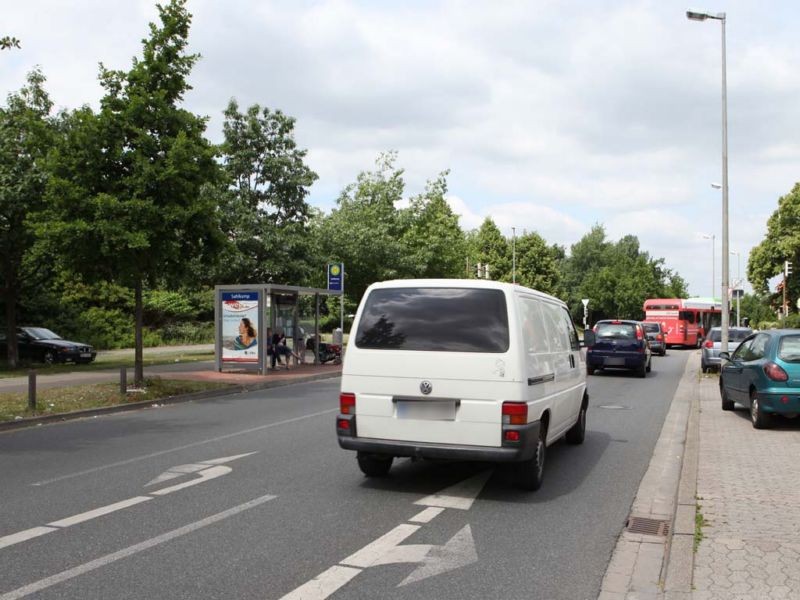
432,364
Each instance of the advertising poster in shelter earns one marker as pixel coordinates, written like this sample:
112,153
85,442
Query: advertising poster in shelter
240,327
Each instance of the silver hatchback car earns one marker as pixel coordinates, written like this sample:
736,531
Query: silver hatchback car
713,344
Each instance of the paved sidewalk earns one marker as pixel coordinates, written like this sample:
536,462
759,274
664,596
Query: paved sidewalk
746,485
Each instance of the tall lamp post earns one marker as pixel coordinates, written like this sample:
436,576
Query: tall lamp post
712,237
514,255
701,16
738,282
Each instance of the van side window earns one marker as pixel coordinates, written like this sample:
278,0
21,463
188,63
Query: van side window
574,342
556,332
533,330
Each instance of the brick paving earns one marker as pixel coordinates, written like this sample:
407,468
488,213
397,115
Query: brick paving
748,490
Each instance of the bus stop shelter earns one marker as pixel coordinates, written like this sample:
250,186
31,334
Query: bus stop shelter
243,314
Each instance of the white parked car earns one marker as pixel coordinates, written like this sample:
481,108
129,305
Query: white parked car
463,370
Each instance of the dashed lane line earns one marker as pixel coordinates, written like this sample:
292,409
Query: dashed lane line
47,582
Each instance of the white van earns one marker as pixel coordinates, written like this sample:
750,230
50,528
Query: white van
464,370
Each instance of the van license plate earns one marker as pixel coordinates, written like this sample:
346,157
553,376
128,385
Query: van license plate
615,362
427,410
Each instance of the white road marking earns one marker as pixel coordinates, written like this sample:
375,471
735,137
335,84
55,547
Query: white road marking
323,585
210,470
219,438
434,560
181,470
460,495
427,515
47,582
210,473
22,536
372,552
99,512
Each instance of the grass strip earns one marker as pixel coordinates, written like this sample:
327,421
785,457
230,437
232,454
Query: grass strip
14,406
107,362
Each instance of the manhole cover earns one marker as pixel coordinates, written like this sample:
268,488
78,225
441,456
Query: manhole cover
614,407
648,526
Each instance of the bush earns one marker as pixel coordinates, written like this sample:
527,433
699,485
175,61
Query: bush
175,334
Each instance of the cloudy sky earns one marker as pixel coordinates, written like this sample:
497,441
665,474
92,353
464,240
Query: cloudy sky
550,115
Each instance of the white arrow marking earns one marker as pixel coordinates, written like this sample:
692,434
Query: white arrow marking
210,469
460,495
181,470
372,553
207,475
458,552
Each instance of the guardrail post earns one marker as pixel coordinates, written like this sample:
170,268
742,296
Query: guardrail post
32,391
123,380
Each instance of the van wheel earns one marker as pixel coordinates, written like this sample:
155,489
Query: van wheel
530,473
374,466
577,432
590,370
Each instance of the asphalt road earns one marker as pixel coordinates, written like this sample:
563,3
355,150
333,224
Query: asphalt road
79,520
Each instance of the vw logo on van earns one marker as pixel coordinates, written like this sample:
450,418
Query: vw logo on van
425,387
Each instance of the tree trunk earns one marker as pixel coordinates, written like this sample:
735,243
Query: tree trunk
138,362
10,296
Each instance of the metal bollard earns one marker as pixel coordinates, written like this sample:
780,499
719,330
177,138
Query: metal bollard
32,391
123,380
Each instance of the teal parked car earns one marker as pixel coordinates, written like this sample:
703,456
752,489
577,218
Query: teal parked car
763,375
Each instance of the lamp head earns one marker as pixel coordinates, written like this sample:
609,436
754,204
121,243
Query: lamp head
696,15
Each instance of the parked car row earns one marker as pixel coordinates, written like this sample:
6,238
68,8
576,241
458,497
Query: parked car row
42,345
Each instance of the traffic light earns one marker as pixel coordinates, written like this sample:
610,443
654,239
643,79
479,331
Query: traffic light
787,267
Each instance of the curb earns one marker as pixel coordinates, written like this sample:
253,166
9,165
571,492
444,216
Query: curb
144,404
642,563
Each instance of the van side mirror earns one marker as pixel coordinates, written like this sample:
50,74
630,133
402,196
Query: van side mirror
588,338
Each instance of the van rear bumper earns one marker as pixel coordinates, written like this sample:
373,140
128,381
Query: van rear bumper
508,452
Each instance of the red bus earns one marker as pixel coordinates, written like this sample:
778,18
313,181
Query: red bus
685,321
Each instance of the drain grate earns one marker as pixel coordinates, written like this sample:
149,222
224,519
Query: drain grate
648,526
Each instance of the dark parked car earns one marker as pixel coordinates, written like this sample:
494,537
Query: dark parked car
619,344
656,337
712,345
763,375
42,345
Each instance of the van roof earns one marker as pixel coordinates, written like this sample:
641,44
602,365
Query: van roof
466,283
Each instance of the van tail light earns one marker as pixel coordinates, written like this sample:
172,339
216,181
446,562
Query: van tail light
708,344
515,413
639,333
660,337
347,403
775,372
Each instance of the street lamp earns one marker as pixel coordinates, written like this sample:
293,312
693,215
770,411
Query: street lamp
738,282
712,237
702,16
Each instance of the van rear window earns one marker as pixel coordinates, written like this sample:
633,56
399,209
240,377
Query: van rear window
434,319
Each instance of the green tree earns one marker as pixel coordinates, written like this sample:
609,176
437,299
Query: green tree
365,230
434,242
781,243
264,212
487,246
616,277
26,133
127,194
7,42
537,263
